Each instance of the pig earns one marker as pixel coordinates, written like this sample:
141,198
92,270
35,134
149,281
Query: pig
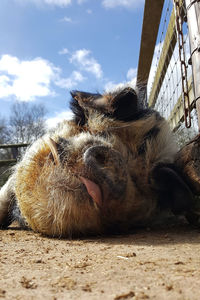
109,169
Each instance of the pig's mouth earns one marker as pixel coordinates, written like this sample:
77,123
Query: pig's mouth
105,175
103,172
93,190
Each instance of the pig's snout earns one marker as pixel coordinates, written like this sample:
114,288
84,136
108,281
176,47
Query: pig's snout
108,169
98,156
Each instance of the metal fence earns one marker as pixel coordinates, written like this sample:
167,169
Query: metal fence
169,82
14,153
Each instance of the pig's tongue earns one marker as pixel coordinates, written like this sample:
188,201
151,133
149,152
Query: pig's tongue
93,190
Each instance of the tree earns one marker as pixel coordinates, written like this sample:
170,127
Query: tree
3,131
26,122
4,153
25,125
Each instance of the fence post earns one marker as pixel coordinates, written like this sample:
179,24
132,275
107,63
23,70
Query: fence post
15,152
193,19
151,21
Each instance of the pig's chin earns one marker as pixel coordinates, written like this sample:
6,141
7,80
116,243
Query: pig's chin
103,194
104,176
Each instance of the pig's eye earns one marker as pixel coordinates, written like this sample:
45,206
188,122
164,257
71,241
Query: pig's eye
59,150
79,114
62,148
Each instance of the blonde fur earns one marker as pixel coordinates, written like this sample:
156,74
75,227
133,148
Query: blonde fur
53,200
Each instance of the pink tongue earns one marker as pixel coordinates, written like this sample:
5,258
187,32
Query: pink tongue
93,190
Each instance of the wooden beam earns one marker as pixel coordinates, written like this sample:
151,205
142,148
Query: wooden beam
7,162
151,22
4,146
193,14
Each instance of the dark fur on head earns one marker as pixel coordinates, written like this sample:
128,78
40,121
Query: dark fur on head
109,169
121,105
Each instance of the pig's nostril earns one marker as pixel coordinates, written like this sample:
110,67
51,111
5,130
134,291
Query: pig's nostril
100,158
97,156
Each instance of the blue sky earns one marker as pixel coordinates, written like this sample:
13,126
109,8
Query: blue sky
49,47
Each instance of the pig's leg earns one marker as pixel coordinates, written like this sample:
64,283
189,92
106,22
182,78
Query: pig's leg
172,190
7,202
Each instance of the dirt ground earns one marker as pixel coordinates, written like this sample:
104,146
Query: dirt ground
146,264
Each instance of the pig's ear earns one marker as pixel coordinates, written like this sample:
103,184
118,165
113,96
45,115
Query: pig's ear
78,111
84,96
125,104
121,105
80,103
54,150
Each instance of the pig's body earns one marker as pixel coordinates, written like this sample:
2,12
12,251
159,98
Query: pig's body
109,169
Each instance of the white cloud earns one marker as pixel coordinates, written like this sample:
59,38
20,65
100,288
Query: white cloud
131,82
61,3
123,3
63,51
26,79
78,76
83,59
65,115
71,81
111,86
57,2
132,72
5,89
65,3
89,11
81,1
66,20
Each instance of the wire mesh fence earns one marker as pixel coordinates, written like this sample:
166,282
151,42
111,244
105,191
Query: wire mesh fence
165,84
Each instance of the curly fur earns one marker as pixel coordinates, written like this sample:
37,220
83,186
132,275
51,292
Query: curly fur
115,144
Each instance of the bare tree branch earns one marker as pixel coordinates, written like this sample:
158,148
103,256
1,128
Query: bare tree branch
26,122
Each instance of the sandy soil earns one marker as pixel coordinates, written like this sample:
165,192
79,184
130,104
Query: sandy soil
147,264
